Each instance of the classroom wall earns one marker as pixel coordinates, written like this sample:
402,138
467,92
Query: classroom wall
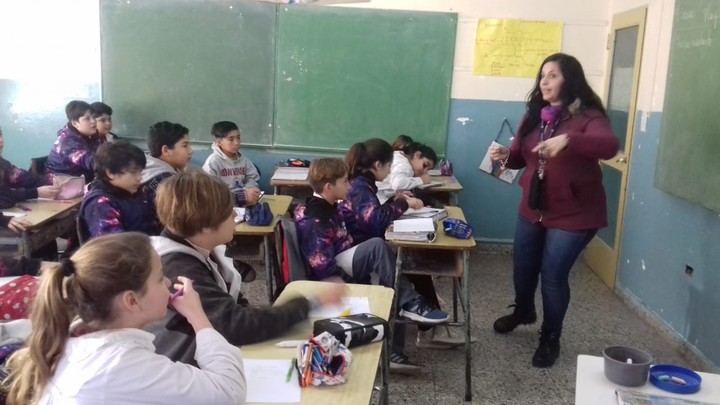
44,68
662,233
479,103
51,66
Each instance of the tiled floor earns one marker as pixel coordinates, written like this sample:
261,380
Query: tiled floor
501,369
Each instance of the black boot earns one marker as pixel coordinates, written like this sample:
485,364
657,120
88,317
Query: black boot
508,323
548,351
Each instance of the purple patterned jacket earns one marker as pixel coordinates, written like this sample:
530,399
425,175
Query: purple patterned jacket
18,185
73,154
322,236
107,209
364,216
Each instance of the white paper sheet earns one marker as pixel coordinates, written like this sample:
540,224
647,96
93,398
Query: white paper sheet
239,214
267,382
13,214
356,305
413,225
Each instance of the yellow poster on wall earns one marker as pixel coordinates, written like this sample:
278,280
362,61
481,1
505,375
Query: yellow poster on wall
514,48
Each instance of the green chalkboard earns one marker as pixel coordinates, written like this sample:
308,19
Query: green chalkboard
689,156
344,75
188,61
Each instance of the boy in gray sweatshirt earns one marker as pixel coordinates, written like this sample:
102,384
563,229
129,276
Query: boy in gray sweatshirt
229,165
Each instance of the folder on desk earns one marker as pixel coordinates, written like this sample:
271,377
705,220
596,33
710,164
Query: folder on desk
412,230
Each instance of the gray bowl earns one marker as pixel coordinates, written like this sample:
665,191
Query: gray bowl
618,370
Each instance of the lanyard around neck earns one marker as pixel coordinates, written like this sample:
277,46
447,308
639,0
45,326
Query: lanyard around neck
543,125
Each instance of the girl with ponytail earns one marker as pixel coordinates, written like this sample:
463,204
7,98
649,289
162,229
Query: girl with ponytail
115,285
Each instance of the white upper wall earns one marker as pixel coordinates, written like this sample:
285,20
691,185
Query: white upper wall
586,27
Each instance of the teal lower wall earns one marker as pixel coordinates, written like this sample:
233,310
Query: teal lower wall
661,235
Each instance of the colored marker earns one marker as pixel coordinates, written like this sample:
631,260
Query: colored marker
292,366
178,293
175,295
24,208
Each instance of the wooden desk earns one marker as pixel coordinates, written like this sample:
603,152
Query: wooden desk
49,218
279,183
451,188
361,375
461,247
592,388
279,205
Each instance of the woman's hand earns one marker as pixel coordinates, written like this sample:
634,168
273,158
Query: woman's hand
551,147
188,305
18,224
48,192
498,152
426,179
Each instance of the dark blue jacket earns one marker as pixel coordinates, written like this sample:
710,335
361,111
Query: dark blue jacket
107,209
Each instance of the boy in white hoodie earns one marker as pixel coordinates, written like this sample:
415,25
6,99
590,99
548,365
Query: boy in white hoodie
229,165
170,153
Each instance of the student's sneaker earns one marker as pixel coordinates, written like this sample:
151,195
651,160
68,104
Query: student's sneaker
419,311
400,364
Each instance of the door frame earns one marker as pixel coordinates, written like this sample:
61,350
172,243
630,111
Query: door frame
602,259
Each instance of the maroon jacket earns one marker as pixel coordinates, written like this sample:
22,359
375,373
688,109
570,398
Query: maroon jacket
573,189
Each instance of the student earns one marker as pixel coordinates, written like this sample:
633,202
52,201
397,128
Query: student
170,153
73,153
103,120
18,185
328,248
369,163
229,165
199,219
401,142
15,266
112,204
115,284
409,170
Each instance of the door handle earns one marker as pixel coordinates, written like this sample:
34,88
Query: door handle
621,160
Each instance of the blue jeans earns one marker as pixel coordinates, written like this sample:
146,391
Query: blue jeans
548,253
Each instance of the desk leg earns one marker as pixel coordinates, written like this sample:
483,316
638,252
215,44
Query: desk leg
468,349
268,269
384,372
27,251
454,199
275,190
